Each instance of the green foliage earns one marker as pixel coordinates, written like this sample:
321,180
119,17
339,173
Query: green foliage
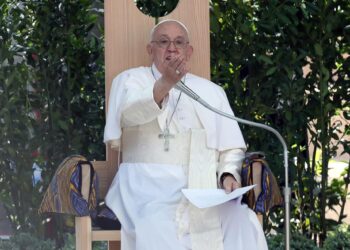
268,46
156,8
24,241
338,239
51,96
69,243
299,242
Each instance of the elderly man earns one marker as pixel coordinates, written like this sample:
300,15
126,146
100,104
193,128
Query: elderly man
169,142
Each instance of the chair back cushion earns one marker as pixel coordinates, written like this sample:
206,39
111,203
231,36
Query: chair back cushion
270,195
73,188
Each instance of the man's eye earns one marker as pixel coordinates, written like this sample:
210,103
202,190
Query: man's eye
179,42
164,42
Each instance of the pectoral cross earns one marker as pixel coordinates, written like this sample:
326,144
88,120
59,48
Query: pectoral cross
166,136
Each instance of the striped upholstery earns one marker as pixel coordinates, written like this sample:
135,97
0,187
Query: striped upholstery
270,195
73,188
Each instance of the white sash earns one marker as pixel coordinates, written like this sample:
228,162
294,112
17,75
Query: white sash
200,164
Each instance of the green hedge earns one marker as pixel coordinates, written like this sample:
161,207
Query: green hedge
338,239
26,241
298,242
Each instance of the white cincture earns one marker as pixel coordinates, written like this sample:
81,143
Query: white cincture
140,144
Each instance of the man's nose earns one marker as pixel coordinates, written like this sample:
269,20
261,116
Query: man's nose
172,46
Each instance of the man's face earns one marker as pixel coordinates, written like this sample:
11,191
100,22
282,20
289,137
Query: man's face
158,49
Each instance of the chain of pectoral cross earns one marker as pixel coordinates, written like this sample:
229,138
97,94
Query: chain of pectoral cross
166,132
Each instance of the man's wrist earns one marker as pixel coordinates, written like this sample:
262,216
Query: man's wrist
160,91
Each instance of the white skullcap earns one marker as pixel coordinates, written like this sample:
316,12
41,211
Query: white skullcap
166,21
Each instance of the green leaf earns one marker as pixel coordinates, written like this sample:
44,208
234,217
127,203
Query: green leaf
62,124
283,18
318,49
270,71
325,73
265,59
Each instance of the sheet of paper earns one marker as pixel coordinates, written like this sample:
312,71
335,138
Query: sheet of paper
204,198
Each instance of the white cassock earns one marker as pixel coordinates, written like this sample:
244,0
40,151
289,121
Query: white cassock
146,192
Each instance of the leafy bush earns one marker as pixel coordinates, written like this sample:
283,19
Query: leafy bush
25,241
69,243
286,64
338,239
51,99
299,242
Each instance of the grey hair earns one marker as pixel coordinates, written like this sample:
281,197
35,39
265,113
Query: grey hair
167,21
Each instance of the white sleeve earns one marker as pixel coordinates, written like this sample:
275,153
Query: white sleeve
112,131
140,107
230,161
130,103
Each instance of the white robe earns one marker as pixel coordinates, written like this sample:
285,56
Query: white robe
145,195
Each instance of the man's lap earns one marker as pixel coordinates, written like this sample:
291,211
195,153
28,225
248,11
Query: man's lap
150,207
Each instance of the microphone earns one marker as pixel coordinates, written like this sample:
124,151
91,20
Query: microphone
287,191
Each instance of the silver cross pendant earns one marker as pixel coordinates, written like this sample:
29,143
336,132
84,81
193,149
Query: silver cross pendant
166,136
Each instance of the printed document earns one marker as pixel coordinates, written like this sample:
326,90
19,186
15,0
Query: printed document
204,198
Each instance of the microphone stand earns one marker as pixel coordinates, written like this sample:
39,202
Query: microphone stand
287,191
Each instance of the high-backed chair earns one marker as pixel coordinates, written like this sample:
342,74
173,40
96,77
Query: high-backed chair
126,36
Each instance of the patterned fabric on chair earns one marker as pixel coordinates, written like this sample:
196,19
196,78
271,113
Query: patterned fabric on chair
270,195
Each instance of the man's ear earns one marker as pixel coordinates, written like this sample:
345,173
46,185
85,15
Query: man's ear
189,52
149,49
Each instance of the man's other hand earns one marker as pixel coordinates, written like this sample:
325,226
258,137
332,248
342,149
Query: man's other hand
229,183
